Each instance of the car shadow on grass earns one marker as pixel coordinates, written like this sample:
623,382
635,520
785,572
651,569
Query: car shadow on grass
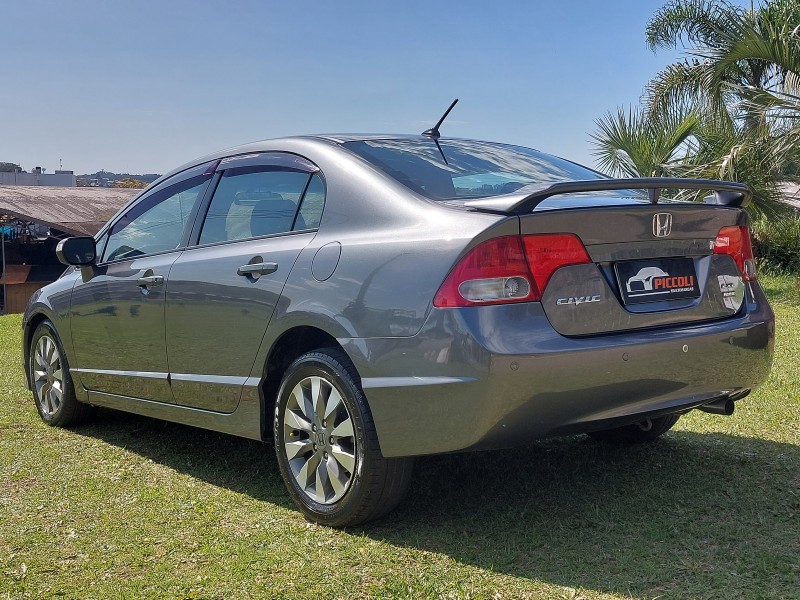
239,464
691,515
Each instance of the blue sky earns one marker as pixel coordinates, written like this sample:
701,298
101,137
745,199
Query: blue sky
147,85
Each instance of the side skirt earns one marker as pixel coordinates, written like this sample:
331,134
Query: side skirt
245,421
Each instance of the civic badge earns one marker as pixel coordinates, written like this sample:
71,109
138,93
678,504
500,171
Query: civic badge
662,224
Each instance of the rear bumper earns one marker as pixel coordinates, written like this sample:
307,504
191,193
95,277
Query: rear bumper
499,376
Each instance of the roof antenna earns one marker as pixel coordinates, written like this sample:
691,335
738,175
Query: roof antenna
434,134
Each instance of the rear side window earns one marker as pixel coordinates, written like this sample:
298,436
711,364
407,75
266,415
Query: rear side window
258,201
312,205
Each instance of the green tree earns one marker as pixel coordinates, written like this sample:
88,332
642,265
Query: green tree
130,182
719,39
7,167
640,144
739,79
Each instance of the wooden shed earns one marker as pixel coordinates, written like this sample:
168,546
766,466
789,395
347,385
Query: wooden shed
33,219
21,281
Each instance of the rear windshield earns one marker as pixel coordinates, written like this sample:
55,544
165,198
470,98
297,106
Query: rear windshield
473,169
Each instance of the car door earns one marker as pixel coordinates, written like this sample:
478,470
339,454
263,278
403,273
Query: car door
223,289
117,311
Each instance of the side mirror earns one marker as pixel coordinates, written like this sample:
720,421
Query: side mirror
78,251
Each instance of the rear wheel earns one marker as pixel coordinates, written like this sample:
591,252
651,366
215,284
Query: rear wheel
51,380
644,431
327,447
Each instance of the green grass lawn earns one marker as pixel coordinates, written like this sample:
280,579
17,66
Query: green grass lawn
130,507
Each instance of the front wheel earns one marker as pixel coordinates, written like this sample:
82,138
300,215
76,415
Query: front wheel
52,382
644,431
327,446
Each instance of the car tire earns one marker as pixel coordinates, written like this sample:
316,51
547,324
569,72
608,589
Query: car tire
327,447
646,431
51,382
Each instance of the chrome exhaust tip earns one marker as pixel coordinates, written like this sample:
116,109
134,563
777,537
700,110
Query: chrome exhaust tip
721,406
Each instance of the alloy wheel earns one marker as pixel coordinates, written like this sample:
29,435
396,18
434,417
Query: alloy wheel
319,440
48,376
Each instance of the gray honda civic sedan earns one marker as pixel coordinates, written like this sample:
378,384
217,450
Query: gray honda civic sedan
363,299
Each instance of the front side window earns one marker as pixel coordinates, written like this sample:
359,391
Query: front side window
257,201
158,222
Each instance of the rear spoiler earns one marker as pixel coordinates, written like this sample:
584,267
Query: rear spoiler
724,193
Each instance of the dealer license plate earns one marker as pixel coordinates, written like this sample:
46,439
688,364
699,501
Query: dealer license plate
657,279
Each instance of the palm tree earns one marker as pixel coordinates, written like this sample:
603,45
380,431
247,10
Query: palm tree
775,106
639,144
729,49
698,24
722,149
740,83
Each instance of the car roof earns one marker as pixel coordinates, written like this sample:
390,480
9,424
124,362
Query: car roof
342,138
269,144
273,144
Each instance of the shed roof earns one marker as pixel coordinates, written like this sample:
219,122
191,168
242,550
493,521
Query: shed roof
75,210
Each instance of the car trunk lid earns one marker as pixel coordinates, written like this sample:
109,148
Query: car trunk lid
651,265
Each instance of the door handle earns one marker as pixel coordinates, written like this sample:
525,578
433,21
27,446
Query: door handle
262,268
150,281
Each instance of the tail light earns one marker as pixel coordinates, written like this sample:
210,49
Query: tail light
735,242
509,269
549,252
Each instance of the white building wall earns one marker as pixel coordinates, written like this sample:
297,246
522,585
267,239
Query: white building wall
54,179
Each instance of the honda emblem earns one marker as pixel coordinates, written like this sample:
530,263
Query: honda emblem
662,224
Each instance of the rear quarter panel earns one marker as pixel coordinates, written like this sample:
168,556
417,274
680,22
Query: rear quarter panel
395,250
